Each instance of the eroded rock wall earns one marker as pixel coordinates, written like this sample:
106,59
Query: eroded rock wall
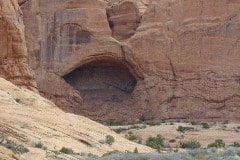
189,52
183,54
13,51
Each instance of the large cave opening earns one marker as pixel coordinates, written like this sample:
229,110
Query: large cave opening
102,76
103,84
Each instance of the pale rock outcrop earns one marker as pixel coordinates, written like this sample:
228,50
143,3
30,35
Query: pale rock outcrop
182,56
39,120
13,50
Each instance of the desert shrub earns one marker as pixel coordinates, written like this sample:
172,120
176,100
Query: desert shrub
195,154
91,155
235,144
152,123
130,136
238,127
184,129
135,150
120,130
11,145
232,152
224,126
115,123
109,139
155,142
142,118
66,150
2,138
110,153
172,140
190,144
225,122
171,123
193,123
39,145
137,127
21,149
218,144
205,125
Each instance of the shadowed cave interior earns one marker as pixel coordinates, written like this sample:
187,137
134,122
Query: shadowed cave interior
102,82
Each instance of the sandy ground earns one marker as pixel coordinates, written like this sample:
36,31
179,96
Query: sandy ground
27,118
227,132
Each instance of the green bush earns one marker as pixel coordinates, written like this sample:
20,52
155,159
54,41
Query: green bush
130,136
120,130
152,123
172,140
109,139
184,129
197,154
235,144
66,150
137,127
115,123
39,145
218,144
110,153
205,125
225,122
135,150
20,149
190,144
155,142
193,123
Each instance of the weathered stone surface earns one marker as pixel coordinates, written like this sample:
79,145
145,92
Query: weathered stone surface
37,119
13,51
124,18
182,53
188,51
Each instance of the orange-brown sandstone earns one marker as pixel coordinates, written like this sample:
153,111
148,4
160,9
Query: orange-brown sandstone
125,59
13,50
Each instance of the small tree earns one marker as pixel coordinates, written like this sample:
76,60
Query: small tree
66,150
109,139
191,144
205,125
218,144
136,150
155,142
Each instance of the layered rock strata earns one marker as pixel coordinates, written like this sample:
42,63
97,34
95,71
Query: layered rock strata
182,55
13,50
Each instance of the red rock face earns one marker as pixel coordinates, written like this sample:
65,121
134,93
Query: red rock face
13,51
183,55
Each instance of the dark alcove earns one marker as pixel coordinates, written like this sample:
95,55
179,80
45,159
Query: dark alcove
110,76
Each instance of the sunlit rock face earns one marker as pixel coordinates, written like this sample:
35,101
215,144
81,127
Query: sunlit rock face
180,57
13,50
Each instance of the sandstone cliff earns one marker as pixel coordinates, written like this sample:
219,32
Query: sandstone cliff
128,60
13,51
27,119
